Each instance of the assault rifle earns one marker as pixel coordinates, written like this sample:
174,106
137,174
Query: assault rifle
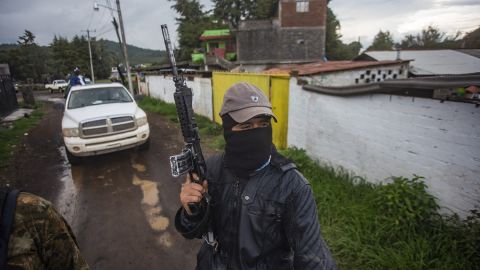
191,159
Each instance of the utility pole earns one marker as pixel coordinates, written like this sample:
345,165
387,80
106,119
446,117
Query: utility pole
90,53
115,24
124,43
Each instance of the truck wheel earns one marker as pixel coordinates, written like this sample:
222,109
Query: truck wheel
51,90
145,146
74,160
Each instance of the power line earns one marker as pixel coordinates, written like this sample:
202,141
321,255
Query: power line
104,32
105,24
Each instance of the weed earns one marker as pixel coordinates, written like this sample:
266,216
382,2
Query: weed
387,226
210,131
10,137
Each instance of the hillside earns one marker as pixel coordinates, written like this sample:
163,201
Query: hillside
136,55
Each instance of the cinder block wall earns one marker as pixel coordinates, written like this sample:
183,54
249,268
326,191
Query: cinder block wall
280,44
378,136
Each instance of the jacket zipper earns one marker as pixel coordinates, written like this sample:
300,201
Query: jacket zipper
236,207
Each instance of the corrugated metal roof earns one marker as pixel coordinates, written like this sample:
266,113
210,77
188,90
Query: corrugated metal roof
472,52
330,66
433,62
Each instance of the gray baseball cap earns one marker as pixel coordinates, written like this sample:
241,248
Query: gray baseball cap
243,101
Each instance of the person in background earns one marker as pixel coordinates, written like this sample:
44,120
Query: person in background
76,78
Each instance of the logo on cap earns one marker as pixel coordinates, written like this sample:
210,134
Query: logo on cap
254,98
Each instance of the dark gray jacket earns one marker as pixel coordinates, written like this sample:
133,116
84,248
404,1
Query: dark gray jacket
268,221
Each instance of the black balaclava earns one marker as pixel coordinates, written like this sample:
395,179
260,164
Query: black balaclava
248,150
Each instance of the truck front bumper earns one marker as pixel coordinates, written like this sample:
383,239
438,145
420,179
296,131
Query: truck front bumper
101,145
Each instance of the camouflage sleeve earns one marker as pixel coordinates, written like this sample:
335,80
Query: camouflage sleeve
42,239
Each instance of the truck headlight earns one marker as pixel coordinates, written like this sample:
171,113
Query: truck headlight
141,121
70,132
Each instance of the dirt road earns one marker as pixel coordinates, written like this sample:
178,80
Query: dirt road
121,206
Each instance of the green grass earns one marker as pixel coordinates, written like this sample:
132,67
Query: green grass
390,226
210,132
371,226
10,138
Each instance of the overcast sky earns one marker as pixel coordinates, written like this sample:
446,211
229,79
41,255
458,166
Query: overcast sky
360,19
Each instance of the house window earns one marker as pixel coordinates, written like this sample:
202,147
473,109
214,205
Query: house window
302,5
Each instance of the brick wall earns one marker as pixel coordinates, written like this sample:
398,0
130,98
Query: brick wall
316,15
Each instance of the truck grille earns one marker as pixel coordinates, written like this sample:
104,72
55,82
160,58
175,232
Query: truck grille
107,126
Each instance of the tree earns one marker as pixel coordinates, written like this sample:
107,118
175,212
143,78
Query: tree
233,11
28,38
408,42
382,41
263,9
332,42
431,38
335,49
191,24
28,60
472,40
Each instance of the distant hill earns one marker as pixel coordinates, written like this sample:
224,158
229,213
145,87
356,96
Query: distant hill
136,55
6,47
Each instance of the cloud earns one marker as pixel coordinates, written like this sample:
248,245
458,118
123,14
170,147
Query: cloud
450,3
67,18
359,19
364,18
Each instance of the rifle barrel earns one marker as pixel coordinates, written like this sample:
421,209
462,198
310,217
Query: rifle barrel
168,47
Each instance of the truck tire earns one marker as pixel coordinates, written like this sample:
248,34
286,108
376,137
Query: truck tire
51,90
73,160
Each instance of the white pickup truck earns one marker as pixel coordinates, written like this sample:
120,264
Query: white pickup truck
57,85
102,118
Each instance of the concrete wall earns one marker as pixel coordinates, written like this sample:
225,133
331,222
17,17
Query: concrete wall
258,41
360,76
378,136
161,87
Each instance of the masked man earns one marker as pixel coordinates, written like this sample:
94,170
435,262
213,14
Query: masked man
262,213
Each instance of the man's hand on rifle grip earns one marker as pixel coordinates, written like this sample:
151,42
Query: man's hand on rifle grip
192,192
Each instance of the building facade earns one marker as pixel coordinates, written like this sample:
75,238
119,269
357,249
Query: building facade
296,35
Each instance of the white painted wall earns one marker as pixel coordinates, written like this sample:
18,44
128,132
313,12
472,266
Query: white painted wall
378,136
163,88
359,76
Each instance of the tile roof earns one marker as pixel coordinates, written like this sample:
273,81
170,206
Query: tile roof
324,67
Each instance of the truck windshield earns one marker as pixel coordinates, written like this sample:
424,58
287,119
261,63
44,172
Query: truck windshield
61,81
98,96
